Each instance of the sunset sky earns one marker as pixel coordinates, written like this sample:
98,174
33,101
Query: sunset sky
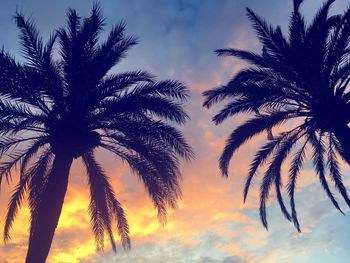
211,225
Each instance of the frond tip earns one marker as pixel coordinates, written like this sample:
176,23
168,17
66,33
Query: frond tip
104,206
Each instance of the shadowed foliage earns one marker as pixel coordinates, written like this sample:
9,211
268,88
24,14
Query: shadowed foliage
300,83
62,104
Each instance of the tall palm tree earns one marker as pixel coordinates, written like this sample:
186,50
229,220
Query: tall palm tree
300,83
57,107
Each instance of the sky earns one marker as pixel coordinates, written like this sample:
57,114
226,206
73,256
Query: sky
212,224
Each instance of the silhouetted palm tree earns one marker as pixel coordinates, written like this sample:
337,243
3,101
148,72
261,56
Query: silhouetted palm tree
62,106
302,78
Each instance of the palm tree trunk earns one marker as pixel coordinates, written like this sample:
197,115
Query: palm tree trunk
343,135
49,209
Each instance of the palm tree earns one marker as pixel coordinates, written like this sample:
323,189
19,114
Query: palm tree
300,83
59,106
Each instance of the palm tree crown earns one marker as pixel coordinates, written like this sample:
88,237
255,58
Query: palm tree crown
300,80
60,106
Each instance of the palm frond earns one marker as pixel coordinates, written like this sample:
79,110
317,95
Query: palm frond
243,83
14,205
246,131
15,158
109,53
98,208
167,88
93,26
112,85
273,173
120,217
160,193
262,156
38,174
297,28
271,39
32,45
103,205
11,76
247,105
296,165
156,155
250,57
149,130
145,105
318,161
337,45
334,170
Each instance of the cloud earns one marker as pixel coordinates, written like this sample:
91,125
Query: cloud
231,259
175,252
